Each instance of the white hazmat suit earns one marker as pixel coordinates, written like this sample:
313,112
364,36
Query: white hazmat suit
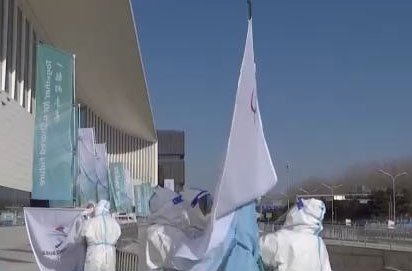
101,233
175,218
297,246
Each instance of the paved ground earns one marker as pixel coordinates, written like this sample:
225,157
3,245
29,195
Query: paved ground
15,250
347,257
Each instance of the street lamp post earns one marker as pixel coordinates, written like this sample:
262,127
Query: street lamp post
393,178
332,189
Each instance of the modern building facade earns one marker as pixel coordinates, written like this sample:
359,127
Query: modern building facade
110,84
172,157
139,155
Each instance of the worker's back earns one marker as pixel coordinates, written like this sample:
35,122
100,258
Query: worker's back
297,246
101,233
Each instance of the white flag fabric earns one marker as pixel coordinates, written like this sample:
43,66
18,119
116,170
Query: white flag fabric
248,171
55,238
248,174
102,172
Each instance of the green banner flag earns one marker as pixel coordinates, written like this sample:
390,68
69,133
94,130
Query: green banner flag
142,195
118,187
54,129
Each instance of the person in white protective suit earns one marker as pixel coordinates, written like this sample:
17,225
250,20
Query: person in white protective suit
101,233
174,218
187,211
297,246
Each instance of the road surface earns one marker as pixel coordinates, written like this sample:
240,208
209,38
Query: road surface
15,250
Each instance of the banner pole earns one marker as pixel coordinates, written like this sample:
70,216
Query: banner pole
75,136
249,3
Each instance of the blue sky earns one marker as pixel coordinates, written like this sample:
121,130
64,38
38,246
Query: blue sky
334,79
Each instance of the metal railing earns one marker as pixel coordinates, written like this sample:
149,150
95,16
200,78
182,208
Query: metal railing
267,227
11,216
129,230
128,236
368,236
371,237
126,261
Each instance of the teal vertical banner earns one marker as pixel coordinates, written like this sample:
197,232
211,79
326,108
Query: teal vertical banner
118,187
142,195
54,129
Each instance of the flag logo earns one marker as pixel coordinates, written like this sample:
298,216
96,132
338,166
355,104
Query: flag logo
60,236
253,104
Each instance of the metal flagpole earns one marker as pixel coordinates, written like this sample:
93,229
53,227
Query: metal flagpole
288,184
77,148
75,151
249,2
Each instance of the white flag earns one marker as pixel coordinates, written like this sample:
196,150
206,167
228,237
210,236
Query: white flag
248,171
248,174
55,239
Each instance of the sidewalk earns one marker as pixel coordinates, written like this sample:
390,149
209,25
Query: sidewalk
15,250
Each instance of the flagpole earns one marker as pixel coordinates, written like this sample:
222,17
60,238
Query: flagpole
75,152
249,2
288,184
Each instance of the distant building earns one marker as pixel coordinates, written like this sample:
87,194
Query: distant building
171,157
363,189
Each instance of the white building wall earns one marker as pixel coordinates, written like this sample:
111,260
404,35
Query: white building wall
16,145
17,59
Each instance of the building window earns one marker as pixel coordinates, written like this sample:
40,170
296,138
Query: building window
1,33
17,79
33,74
9,57
26,97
